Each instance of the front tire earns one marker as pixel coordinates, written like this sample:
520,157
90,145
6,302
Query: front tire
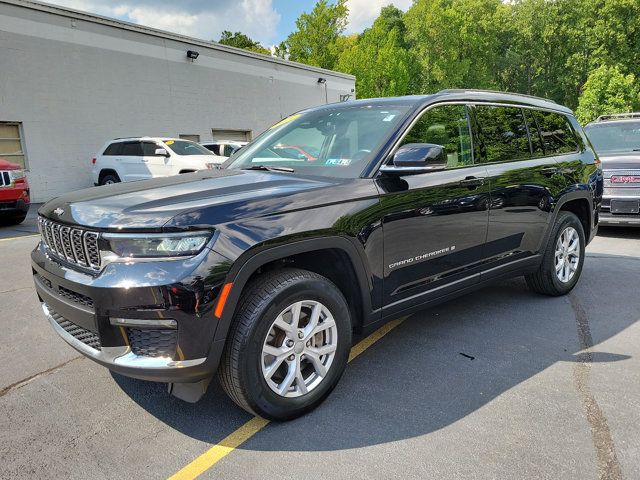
563,258
288,345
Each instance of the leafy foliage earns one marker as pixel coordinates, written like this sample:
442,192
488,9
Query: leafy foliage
317,36
548,48
379,57
240,40
606,91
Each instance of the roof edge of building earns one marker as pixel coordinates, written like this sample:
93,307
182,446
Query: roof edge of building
112,22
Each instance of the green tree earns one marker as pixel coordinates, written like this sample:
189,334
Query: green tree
379,57
548,48
240,40
456,42
606,91
316,40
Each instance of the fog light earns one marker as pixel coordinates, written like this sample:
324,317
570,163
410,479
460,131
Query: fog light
140,322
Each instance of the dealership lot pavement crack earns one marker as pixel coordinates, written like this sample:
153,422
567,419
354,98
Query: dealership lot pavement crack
24,381
608,465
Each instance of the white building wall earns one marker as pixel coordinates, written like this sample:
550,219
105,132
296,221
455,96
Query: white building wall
75,81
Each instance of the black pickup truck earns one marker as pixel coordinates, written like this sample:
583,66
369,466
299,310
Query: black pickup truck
262,270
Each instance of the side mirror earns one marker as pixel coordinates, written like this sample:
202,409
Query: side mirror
161,152
415,158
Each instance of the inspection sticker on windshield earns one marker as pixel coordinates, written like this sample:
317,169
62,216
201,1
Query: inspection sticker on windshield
169,142
343,162
285,120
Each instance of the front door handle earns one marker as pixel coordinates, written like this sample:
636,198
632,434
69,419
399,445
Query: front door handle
471,182
547,172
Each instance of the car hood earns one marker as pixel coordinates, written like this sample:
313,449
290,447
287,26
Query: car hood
620,161
202,198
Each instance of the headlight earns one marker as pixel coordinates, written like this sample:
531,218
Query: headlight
156,245
16,174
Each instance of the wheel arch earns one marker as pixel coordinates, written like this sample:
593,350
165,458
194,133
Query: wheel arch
301,254
581,207
569,201
108,171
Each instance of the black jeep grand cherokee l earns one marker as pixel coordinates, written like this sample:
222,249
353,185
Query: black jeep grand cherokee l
262,270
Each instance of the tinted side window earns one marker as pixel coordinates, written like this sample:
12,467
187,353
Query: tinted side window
214,148
113,149
556,132
149,149
228,150
534,133
133,149
502,134
447,126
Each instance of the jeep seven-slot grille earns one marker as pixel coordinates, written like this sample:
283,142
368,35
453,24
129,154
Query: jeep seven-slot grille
85,336
153,343
72,244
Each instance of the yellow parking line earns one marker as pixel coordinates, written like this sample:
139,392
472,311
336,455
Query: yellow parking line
18,238
227,445
216,453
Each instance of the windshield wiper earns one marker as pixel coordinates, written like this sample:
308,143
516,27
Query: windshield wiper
268,168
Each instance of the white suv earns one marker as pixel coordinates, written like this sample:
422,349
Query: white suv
223,148
140,158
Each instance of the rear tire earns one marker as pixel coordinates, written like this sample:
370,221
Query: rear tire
109,179
563,258
274,365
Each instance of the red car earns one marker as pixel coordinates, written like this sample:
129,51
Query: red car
14,193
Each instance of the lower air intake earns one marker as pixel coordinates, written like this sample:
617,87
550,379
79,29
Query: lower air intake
153,343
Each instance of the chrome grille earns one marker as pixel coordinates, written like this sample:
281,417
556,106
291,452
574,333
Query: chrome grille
85,336
74,245
607,174
620,191
628,172
5,179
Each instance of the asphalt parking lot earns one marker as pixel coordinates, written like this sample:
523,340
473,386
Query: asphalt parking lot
499,384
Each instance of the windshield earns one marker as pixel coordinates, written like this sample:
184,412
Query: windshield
185,147
620,137
337,142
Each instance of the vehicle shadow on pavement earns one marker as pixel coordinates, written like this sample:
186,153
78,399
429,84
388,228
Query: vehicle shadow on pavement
437,367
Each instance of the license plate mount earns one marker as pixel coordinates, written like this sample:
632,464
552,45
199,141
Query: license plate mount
625,207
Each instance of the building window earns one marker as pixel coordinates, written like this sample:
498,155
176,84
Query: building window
231,135
11,143
193,138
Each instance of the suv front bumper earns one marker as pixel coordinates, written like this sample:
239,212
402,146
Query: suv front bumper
617,219
159,330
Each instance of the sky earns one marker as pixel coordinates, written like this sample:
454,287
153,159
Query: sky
267,21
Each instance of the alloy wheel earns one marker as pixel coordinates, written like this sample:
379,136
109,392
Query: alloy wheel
567,257
299,348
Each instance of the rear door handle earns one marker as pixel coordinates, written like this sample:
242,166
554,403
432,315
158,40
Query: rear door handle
471,182
547,172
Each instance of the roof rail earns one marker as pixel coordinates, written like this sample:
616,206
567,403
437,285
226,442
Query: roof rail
618,116
462,90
